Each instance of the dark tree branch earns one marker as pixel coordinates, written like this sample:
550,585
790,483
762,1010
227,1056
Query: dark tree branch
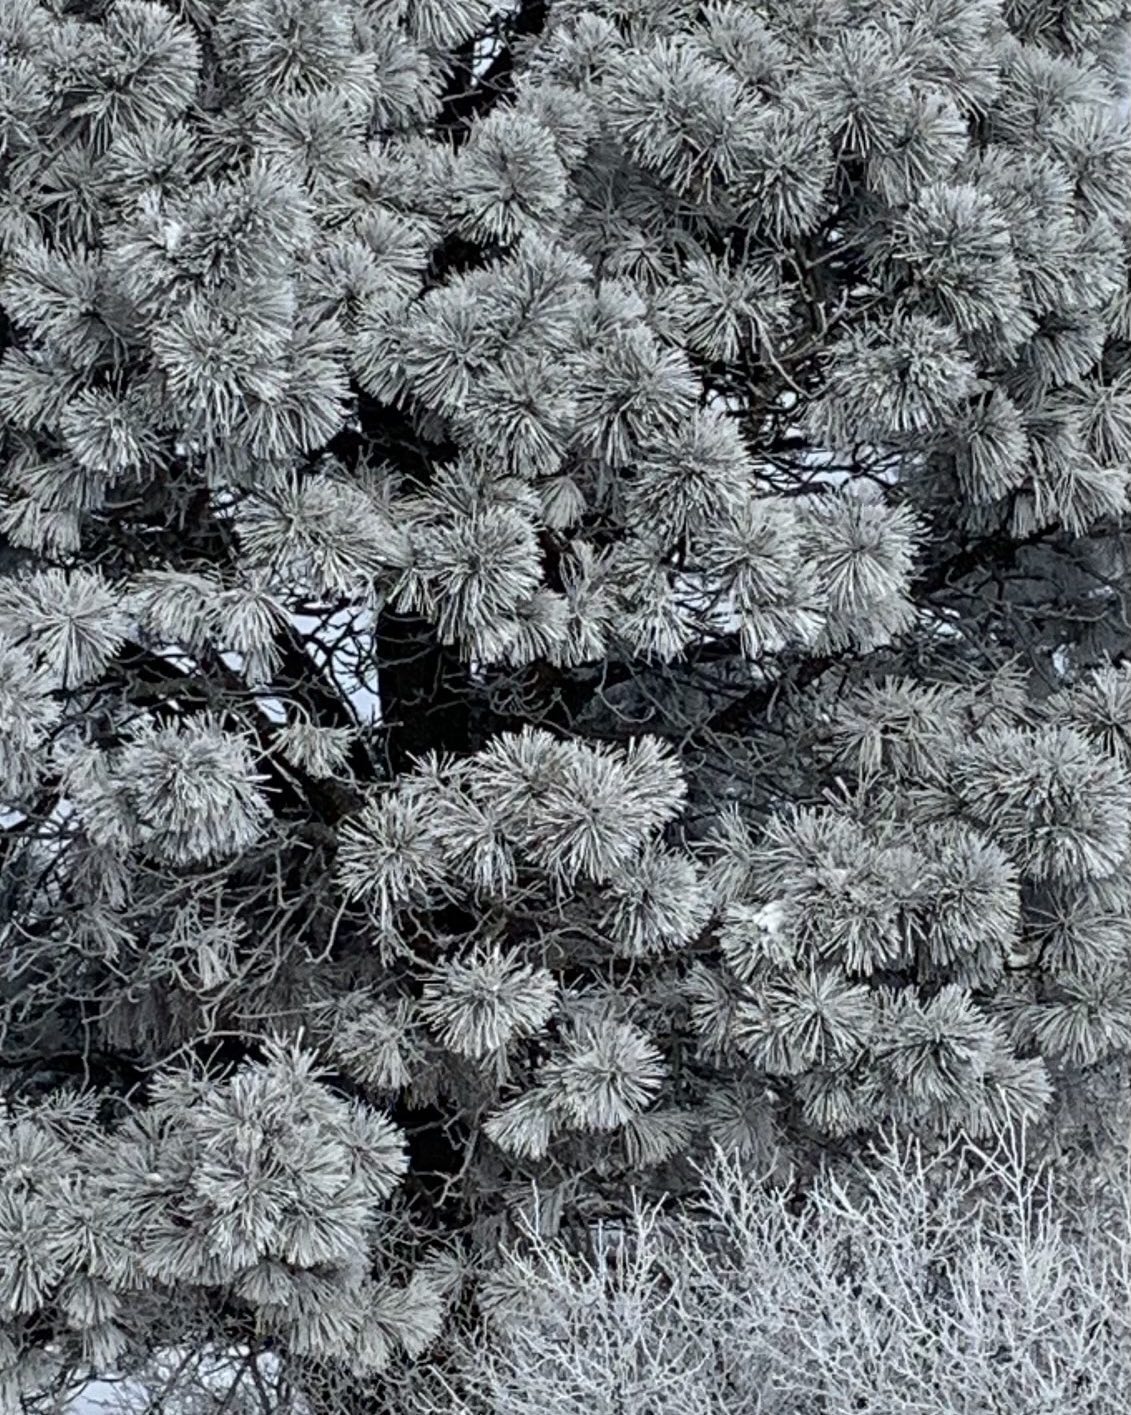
467,96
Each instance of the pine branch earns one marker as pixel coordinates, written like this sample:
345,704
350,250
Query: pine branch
1001,552
467,96
739,715
170,691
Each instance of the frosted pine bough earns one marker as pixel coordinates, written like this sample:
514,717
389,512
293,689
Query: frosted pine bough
703,431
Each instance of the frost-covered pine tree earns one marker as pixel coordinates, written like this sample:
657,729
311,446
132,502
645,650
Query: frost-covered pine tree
563,601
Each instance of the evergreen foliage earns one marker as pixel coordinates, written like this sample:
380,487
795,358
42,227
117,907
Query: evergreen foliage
563,602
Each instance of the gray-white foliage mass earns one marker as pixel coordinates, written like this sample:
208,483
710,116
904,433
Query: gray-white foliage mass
563,602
